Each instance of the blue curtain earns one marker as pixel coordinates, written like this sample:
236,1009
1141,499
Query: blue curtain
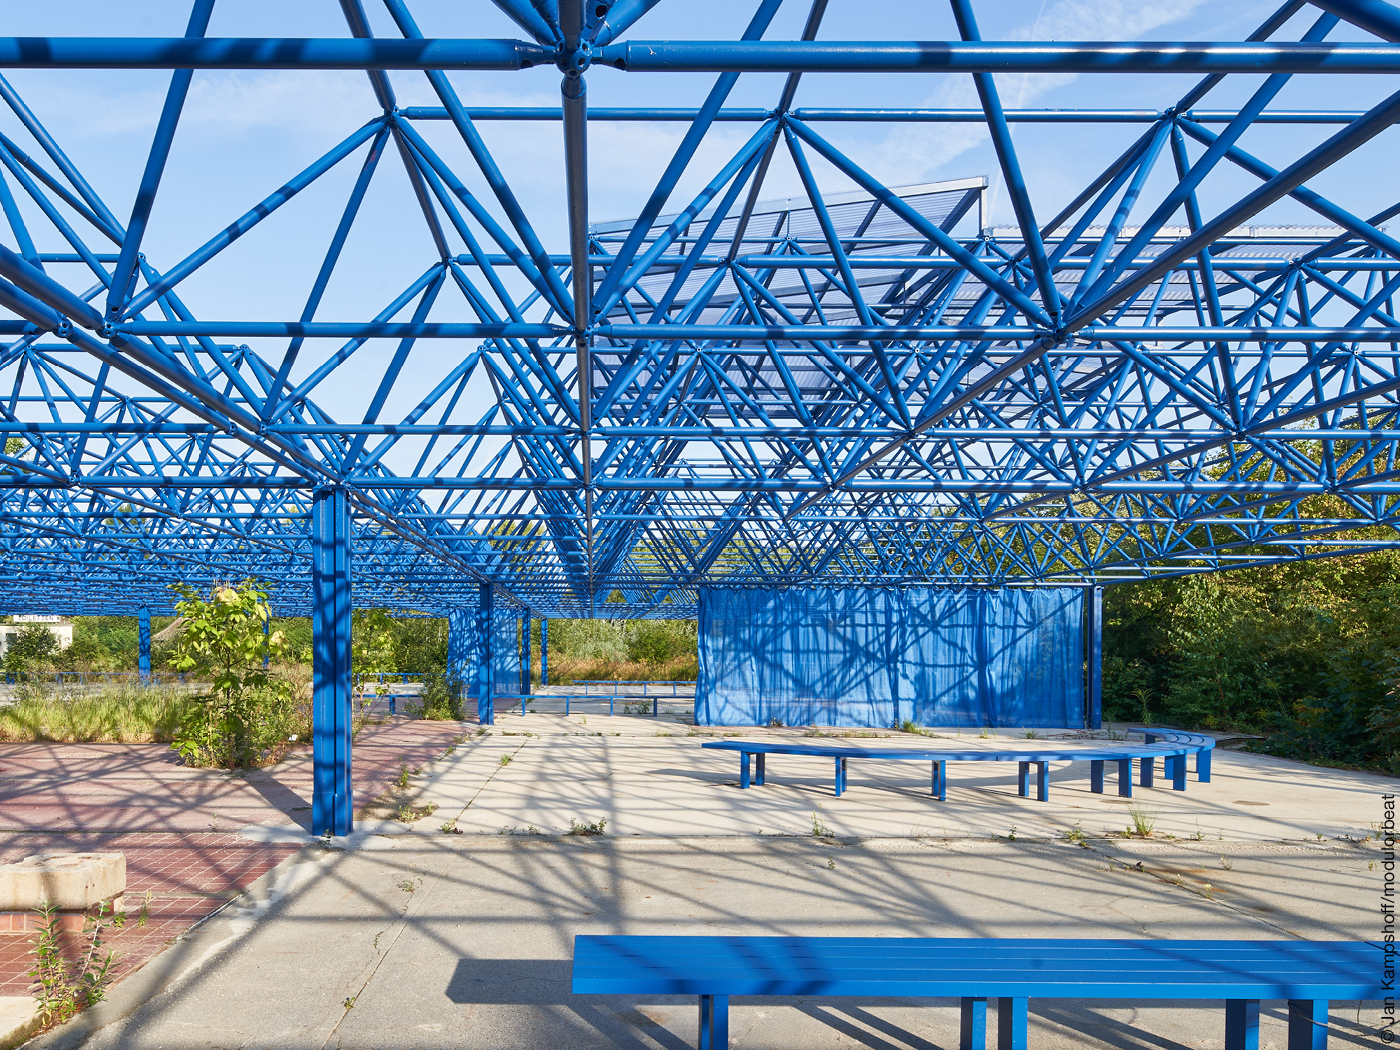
505,624
463,649
874,657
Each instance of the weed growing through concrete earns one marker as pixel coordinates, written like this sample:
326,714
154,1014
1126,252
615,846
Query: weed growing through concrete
505,760
483,731
775,723
65,988
407,886
451,828
1031,734
819,828
145,912
986,734
1144,820
402,779
350,1002
831,863
1076,833
1011,835
1227,863
597,827
1199,833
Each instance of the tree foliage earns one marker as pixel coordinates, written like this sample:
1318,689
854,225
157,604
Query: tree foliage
1306,652
244,718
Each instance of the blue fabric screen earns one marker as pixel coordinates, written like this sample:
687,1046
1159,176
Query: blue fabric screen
875,657
463,650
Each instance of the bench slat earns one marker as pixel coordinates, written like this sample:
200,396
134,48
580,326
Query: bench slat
975,967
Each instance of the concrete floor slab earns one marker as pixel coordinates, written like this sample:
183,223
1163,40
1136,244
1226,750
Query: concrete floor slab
445,940
442,941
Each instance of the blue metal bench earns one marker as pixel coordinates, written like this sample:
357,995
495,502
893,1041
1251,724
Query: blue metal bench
1123,754
1309,974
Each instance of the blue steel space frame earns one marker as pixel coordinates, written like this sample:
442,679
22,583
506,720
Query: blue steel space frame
866,388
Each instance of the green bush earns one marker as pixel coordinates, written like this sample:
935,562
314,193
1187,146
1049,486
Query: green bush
659,641
28,647
1307,653
441,698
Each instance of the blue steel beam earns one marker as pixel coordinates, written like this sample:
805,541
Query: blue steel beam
701,56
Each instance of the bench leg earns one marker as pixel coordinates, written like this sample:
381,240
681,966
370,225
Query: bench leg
972,1033
1307,1024
1011,1023
940,781
1146,770
1125,778
1203,767
1096,776
760,771
1178,772
839,785
714,1022
843,775
1042,781
1241,1024
743,769
1023,779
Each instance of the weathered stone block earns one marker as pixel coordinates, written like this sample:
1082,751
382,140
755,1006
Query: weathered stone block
68,881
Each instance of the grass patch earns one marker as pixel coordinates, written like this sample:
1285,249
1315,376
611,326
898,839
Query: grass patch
115,715
1144,821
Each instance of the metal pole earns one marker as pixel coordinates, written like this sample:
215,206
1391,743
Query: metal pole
332,806
143,634
485,678
1094,715
544,653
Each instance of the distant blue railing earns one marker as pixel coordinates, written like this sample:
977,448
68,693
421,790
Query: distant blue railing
104,677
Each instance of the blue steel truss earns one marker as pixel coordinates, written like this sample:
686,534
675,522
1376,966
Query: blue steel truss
874,386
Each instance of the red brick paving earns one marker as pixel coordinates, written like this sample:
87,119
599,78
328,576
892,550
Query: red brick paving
174,824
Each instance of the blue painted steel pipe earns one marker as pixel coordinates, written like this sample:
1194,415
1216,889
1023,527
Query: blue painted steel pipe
143,644
816,114
332,805
267,53
953,56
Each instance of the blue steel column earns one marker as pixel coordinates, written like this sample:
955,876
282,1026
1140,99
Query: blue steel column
485,686
332,808
143,635
544,652
524,660
1094,709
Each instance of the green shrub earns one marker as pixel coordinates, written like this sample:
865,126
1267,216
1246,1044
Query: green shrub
248,715
30,646
441,698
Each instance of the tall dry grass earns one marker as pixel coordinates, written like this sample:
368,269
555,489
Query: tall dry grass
114,714
566,669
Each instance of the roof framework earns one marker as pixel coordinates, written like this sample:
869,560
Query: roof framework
871,386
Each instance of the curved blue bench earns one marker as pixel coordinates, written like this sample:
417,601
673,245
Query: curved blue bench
1173,751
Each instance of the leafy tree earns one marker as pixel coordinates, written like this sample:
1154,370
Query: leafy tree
28,646
245,716
1306,652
